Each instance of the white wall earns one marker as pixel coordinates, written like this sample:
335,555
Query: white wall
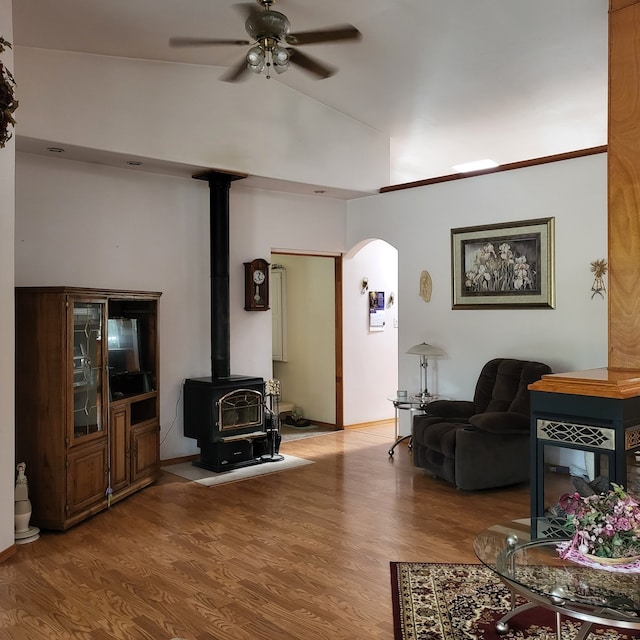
308,378
370,368
573,336
7,211
184,113
262,221
153,234
94,226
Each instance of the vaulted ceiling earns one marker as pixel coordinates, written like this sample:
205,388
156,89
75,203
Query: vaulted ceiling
449,81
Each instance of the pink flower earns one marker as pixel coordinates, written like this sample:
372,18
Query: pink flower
606,525
569,502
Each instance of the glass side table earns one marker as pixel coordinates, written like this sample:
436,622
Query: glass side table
523,554
414,402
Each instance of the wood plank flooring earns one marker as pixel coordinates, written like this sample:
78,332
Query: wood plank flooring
302,554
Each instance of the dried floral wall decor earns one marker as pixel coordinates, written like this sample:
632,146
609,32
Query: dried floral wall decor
599,269
8,102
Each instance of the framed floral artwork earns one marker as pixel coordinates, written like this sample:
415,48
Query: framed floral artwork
503,265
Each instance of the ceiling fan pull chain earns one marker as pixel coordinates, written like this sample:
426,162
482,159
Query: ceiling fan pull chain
268,64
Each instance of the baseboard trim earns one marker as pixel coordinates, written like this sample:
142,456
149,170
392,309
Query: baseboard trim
8,552
324,425
368,425
170,461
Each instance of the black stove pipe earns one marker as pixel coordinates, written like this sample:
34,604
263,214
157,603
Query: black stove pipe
219,185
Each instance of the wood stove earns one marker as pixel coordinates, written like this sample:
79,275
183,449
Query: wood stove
226,417
223,412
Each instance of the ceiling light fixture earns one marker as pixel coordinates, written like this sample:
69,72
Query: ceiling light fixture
55,149
273,46
477,165
134,163
268,53
256,59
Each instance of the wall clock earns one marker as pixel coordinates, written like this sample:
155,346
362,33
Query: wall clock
256,285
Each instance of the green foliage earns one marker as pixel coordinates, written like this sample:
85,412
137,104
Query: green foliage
8,102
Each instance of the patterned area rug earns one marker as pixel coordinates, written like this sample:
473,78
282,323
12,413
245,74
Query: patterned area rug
464,601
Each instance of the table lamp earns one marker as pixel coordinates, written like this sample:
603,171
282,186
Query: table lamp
424,350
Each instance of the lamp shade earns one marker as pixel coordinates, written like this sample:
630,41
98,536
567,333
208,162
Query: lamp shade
424,349
255,58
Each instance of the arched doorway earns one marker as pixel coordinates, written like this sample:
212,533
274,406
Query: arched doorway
370,353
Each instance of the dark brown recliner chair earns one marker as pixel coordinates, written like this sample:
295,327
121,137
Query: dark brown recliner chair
482,443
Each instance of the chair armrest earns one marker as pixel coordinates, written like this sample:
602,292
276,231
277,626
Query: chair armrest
422,421
451,408
501,422
486,460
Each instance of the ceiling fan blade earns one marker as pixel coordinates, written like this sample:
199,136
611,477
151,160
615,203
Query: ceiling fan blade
340,32
235,73
198,42
310,64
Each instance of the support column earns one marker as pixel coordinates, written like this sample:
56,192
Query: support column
608,397
624,185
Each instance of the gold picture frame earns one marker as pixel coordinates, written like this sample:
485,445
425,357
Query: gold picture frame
506,265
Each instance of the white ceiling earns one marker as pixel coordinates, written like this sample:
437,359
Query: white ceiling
449,81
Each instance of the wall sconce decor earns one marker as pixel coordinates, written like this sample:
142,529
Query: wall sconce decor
425,286
364,286
599,269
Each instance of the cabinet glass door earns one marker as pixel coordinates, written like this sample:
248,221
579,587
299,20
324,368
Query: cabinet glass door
87,365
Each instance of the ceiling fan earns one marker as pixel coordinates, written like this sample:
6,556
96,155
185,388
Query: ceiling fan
270,34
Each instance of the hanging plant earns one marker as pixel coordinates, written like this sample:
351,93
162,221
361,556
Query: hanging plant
8,103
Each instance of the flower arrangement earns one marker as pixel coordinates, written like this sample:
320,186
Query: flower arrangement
502,271
605,525
8,103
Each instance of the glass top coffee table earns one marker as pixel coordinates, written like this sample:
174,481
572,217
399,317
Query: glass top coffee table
524,555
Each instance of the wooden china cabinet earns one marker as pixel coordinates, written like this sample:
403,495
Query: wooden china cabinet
87,398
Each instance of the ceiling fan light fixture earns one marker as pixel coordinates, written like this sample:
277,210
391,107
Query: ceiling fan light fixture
280,56
255,59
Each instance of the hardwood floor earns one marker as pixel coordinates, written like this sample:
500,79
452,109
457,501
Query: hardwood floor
302,554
